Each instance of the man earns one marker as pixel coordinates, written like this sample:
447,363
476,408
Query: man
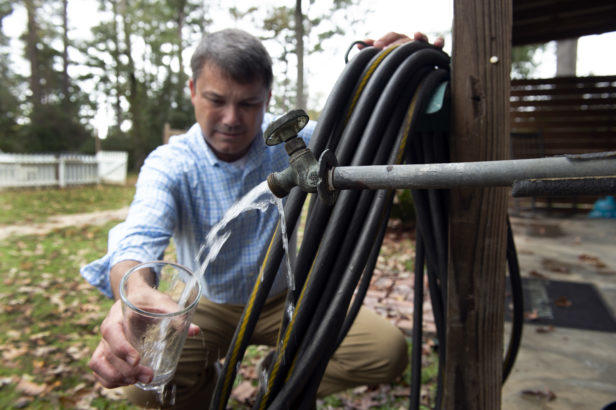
183,189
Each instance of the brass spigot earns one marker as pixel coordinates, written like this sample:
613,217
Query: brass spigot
304,170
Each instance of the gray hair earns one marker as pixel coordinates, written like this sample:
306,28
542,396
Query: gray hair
239,54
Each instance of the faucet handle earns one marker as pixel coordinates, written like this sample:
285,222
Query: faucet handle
286,127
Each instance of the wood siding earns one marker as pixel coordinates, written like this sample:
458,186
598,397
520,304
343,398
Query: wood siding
572,114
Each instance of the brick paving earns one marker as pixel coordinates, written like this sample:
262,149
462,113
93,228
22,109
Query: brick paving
391,289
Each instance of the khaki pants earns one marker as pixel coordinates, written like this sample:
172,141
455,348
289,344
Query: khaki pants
374,351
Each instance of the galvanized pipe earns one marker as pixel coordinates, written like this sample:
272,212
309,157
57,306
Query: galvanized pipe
471,174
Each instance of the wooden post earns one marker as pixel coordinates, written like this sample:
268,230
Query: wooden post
481,61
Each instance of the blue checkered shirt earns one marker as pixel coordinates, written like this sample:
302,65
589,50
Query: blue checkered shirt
183,190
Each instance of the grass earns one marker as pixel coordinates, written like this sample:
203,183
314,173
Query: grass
50,318
36,205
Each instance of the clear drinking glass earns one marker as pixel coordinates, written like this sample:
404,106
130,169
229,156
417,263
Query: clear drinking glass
157,318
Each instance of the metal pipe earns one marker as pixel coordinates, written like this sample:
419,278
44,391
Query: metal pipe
471,174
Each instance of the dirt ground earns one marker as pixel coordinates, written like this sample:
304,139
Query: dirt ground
61,221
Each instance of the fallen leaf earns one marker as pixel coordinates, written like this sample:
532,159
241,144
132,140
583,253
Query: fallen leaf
39,335
607,272
554,266
244,391
13,334
13,352
6,380
360,389
543,394
90,318
22,402
545,329
536,274
78,388
60,369
562,301
533,315
78,353
593,260
57,300
111,394
30,388
44,351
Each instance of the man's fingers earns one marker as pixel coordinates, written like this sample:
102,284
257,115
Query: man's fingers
106,373
419,36
112,330
366,43
113,372
193,330
438,43
113,335
390,39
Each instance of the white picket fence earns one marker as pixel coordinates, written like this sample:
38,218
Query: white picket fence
39,170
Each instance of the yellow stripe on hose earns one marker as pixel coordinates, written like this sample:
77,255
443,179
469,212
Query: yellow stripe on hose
276,367
285,340
407,127
408,124
242,330
366,77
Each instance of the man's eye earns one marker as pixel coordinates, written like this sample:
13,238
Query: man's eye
215,101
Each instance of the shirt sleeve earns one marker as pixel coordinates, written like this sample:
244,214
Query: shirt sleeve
150,223
307,131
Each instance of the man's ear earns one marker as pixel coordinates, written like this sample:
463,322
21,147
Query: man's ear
269,97
193,89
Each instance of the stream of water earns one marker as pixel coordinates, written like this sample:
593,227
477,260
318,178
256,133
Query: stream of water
260,198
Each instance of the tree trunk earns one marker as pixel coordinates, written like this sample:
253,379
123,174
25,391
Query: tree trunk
32,54
117,64
134,93
300,100
181,79
65,61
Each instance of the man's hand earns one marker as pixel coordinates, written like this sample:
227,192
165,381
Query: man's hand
115,361
392,38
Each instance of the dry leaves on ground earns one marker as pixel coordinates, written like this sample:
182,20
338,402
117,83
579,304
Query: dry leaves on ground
541,394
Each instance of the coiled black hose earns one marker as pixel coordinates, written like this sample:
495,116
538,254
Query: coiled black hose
370,118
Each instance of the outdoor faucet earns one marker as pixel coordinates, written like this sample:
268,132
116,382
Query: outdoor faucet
304,170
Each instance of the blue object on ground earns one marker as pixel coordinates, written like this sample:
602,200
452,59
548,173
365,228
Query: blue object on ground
604,208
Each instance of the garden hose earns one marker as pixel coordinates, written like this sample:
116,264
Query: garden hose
363,134
376,114
274,254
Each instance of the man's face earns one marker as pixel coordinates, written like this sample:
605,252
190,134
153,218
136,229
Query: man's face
229,113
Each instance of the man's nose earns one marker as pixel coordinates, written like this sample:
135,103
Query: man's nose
231,115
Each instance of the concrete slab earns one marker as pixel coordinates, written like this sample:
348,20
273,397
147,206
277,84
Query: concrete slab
560,368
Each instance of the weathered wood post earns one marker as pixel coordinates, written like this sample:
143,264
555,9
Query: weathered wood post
481,61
